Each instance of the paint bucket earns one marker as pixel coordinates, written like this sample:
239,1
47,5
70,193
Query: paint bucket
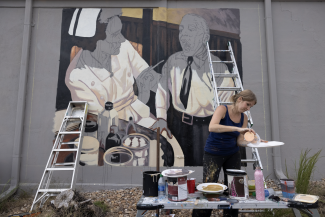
237,184
177,188
150,183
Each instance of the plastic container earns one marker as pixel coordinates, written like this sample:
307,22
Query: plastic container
161,188
268,192
288,188
259,184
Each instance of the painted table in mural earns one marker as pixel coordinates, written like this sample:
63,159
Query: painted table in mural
112,149
152,203
146,155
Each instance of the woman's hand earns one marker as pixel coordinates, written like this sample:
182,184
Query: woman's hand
244,130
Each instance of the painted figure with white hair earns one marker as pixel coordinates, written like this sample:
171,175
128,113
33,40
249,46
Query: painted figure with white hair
107,73
186,77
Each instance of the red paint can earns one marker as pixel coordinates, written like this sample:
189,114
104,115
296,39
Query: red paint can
177,188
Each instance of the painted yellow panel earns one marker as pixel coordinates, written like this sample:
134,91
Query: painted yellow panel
132,12
159,14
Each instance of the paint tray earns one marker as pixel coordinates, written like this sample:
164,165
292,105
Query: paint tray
305,198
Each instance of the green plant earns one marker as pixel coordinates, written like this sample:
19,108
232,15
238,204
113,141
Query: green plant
102,206
305,169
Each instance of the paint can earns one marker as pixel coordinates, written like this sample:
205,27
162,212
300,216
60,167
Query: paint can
177,188
237,184
150,183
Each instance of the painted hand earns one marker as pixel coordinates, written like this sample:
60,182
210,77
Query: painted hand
162,123
146,81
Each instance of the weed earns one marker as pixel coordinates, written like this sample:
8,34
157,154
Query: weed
305,170
101,205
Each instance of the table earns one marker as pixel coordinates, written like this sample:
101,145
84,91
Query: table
152,203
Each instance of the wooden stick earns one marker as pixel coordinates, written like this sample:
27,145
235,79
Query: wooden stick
158,150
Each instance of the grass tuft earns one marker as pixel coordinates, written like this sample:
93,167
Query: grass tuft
305,170
100,204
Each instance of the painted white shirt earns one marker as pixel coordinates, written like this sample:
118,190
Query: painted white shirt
200,102
98,85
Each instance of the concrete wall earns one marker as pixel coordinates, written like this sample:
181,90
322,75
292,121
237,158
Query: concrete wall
299,56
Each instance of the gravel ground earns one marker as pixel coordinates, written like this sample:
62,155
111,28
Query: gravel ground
122,203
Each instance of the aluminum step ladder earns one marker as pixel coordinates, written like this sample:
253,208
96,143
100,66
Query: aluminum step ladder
75,115
238,87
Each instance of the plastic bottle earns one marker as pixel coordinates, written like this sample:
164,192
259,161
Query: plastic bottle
166,187
161,188
259,184
268,192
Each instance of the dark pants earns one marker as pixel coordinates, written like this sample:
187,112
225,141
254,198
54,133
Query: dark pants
191,138
212,165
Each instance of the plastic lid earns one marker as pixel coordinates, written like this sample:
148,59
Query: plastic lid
161,175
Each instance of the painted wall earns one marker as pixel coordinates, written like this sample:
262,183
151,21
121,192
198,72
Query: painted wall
297,27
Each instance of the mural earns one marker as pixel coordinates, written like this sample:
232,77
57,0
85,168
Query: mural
140,69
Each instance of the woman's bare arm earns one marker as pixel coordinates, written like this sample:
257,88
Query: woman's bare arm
215,125
240,139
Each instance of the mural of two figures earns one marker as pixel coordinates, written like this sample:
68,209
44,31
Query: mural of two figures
140,69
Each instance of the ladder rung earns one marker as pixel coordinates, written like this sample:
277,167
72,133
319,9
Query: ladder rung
64,164
248,160
73,117
58,169
69,143
53,190
66,149
219,50
226,103
70,132
224,75
222,61
229,88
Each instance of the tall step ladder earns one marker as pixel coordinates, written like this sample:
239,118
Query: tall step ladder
75,115
238,87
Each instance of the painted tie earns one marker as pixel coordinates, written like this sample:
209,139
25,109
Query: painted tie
186,83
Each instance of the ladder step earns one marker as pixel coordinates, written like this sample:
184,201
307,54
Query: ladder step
229,88
248,160
64,164
59,169
226,103
69,143
219,50
72,117
222,61
70,132
53,190
223,75
66,149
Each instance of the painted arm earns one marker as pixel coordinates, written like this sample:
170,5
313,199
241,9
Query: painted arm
162,102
